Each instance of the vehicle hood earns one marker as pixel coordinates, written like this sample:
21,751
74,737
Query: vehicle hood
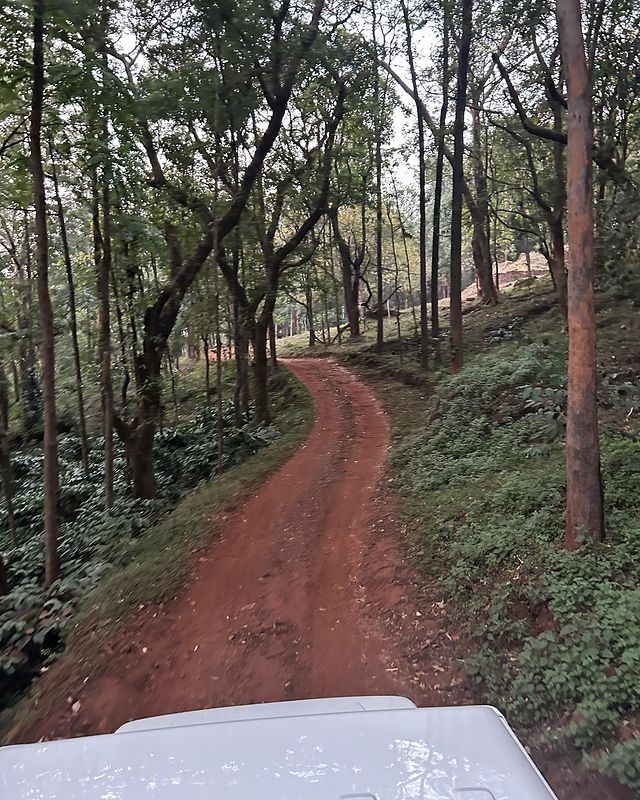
462,753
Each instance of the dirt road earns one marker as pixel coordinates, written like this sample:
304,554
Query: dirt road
304,595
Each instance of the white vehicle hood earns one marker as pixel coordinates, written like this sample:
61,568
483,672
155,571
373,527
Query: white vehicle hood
462,753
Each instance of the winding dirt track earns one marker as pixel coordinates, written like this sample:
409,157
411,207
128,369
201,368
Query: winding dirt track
296,599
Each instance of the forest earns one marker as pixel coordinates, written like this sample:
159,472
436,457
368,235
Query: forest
441,195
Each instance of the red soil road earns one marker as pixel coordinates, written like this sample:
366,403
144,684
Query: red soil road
295,600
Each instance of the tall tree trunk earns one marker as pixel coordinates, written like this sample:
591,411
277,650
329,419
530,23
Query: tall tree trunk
556,218
336,298
139,434
262,414
437,191
172,378
27,352
73,319
241,338
585,517
207,368
308,295
104,319
44,298
325,303
396,280
455,310
378,165
218,338
424,323
273,344
126,373
480,242
407,263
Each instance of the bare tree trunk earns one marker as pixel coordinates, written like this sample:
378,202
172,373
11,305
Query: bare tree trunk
126,380
262,413
46,311
104,321
82,424
336,297
27,353
480,242
216,324
172,377
407,262
326,317
309,306
396,280
585,517
207,368
241,337
424,323
556,216
273,344
437,191
378,163
455,309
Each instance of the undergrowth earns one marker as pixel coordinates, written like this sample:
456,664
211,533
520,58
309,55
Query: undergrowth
557,633
34,620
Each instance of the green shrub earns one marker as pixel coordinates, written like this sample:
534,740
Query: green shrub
557,633
91,539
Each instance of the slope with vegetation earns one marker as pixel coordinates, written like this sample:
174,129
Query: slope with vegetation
551,636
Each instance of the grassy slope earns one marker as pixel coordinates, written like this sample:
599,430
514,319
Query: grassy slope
160,560
478,462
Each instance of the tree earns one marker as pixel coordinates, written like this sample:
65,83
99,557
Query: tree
585,518
424,326
277,80
44,298
438,178
457,188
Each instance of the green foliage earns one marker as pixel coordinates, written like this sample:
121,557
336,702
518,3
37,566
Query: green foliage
556,632
621,761
92,540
